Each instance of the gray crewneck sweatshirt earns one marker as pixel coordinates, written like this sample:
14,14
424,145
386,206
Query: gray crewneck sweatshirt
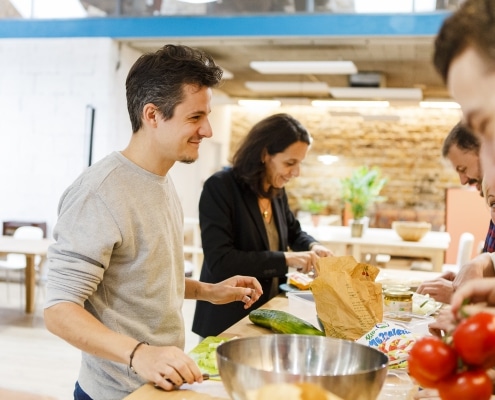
118,252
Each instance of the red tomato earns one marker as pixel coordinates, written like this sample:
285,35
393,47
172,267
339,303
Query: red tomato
474,340
467,385
431,360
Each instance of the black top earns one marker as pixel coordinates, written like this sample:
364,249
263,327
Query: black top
235,242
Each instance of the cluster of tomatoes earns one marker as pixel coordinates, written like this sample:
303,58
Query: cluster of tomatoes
457,367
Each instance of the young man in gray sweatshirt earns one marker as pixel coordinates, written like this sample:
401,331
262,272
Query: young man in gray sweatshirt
116,272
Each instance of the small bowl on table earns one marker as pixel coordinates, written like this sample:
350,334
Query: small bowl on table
347,369
411,231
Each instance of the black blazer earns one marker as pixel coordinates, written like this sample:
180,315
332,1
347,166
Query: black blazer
235,242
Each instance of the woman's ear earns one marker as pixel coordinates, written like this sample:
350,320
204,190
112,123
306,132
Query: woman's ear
264,156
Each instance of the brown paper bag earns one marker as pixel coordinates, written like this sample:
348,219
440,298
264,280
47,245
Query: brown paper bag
348,301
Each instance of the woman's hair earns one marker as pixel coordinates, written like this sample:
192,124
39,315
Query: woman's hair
271,135
159,78
473,24
461,137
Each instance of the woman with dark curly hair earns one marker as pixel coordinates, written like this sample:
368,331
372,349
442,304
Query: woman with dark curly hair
246,225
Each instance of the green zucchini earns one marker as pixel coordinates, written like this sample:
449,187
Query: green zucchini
282,322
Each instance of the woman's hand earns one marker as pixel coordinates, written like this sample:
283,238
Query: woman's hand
303,261
321,251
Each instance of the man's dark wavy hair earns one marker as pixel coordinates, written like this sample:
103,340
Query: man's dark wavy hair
159,78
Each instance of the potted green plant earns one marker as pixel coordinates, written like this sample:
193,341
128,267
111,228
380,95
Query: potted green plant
314,207
361,190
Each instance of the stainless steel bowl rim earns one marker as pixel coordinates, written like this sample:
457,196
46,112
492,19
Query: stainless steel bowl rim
319,338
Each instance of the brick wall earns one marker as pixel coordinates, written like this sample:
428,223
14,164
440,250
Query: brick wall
405,144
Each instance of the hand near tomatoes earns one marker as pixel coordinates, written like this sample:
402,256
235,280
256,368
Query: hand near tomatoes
429,394
474,291
443,324
457,364
431,360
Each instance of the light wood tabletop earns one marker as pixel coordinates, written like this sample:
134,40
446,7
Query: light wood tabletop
30,248
384,241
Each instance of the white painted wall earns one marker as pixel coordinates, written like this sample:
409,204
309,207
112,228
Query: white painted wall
45,88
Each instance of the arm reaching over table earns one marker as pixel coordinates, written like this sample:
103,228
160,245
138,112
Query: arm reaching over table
479,267
475,291
237,288
441,288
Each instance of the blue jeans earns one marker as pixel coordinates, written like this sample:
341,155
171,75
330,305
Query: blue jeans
80,394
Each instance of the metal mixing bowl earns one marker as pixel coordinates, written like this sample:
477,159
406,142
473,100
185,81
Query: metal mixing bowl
348,369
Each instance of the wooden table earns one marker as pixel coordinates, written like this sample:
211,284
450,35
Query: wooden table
382,241
30,248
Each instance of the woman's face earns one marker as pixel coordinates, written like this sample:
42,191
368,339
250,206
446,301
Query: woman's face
282,167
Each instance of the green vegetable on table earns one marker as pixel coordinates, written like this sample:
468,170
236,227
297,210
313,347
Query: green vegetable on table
205,354
283,322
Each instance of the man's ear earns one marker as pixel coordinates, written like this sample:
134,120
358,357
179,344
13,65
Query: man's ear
150,115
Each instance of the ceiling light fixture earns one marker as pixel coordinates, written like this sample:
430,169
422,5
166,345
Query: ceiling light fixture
260,103
288,87
227,74
352,104
327,159
304,67
439,104
376,93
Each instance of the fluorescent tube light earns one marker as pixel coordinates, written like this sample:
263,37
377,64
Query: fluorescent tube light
439,104
287,87
304,67
260,103
334,103
376,93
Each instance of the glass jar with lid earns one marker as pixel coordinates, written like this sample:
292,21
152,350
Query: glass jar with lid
397,303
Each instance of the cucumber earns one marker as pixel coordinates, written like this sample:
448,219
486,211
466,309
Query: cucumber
282,322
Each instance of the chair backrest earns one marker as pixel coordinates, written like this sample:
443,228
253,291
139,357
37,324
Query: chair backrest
465,250
28,232
25,232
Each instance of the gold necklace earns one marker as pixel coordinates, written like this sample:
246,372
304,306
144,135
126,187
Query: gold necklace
265,211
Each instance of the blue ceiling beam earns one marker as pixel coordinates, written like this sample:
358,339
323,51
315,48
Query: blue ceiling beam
273,25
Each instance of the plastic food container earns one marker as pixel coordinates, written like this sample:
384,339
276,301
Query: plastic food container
302,305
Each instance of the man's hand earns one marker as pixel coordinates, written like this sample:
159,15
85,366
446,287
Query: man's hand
237,288
167,367
474,291
479,267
